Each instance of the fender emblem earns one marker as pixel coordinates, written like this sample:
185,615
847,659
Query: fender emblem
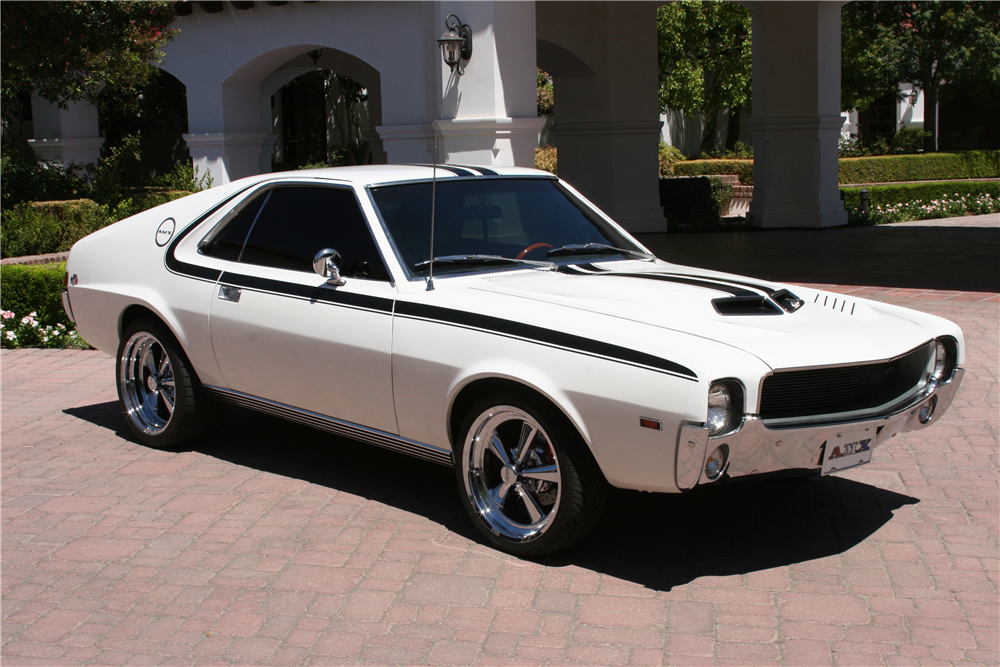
165,232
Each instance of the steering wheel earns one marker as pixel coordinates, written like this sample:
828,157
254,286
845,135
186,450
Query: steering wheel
533,246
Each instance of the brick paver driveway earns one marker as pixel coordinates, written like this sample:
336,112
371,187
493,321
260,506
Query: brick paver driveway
272,543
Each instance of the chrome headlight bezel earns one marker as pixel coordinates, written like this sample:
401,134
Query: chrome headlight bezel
725,407
945,361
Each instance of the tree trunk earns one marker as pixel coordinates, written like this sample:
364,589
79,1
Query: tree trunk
733,129
930,118
708,134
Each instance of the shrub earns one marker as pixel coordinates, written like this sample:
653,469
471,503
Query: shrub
698,201
185,178
925,167
38,228
742,168
26,178
922,201
669,156
34,289
909,140
904,193
547,159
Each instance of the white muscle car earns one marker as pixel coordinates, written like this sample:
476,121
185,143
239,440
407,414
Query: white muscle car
544,353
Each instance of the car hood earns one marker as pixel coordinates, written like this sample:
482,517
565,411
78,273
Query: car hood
826,329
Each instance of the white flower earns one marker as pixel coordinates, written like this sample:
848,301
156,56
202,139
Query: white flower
11,335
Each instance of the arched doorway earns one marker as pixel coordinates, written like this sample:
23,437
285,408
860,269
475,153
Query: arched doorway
157,115
320,118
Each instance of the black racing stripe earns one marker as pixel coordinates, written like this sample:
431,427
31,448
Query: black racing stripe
542,335
695,282
593,267
482,170
766,290
458,171
317,293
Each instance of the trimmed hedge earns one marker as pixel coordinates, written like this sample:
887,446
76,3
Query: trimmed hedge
742,168
36,288
885,195
926,167
882,169
699,201
38,228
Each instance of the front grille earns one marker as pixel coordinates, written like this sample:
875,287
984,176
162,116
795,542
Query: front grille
824,391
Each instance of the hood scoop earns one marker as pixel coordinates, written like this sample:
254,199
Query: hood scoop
749,303
745,304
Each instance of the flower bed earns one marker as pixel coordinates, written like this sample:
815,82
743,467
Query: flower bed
947,206
28,331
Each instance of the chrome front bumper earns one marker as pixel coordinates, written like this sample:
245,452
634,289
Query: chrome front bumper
754,448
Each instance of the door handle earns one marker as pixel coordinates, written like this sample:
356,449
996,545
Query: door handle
228,293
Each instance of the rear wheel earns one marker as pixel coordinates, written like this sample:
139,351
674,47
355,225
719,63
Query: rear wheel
526,478
157,390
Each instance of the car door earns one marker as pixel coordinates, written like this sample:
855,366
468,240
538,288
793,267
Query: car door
279,331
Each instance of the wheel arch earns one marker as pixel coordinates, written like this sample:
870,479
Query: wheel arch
466,395
138,311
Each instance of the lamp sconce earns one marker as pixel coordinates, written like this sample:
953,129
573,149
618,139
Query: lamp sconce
456,44
315,55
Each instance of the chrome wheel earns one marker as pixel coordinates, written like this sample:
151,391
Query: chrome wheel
511,474
146,379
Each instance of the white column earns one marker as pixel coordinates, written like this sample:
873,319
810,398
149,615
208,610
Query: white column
226,137
606,124
796,114
488,116
65,135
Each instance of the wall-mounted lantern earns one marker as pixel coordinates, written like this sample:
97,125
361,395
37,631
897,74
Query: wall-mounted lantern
456,44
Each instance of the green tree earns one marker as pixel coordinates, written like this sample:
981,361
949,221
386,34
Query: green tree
869,68
71,50
931,45
705,62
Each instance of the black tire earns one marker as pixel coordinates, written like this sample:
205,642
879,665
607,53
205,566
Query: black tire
546,495
158,391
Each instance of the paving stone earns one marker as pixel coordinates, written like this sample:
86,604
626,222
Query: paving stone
330,553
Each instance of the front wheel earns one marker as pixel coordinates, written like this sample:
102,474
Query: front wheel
157,389
526,478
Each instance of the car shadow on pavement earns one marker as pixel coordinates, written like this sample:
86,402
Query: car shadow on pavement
656,540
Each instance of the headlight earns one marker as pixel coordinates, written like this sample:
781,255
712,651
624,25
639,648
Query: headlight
720,408
945,357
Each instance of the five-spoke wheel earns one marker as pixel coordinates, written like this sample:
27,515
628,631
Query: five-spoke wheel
147,382
157,389
528,483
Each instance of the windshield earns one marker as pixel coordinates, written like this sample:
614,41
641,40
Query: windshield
495,223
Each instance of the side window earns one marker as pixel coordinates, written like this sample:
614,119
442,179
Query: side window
299,221
229,242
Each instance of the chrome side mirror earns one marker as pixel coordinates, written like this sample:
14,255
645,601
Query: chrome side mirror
327,263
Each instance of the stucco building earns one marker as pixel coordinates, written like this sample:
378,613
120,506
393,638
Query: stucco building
233,57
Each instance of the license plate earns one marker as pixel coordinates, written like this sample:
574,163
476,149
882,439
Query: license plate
848,449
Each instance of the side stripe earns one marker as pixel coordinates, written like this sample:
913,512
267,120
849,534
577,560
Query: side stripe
542,335
317,293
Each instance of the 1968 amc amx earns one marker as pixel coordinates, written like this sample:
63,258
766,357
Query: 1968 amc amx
544,353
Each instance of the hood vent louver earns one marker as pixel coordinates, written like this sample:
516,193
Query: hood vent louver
745,304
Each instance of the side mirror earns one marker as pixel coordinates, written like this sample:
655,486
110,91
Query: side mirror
327,263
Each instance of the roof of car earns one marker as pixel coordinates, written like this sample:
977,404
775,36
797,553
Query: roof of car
376,174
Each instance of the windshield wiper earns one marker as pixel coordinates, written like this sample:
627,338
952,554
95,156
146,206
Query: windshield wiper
483,260
595,249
